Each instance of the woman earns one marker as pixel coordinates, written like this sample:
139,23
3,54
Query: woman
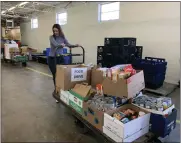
57,42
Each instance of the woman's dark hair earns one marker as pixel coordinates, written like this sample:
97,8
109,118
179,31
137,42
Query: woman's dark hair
59,29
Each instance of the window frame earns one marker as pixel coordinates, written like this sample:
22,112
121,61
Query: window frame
100,12
32,24
58,20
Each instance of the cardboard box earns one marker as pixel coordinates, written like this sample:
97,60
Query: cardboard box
93,116
127,88
167,111
96,77
64,96
13,50
67,76
129,139
82,89
126,130
76,101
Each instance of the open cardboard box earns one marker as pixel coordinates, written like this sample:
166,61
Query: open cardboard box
127,88
93,116
78,95
67,76
126,130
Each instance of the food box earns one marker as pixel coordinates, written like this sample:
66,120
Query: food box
167,111
67,76
64,96
93,116
126,130
76,101
131,138
127,88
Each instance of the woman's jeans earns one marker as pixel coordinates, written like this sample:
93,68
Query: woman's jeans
52,62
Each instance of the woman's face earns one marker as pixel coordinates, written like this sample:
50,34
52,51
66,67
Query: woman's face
55,32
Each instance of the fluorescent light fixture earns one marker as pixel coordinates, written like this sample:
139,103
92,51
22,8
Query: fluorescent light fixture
23,3
12,8
2,12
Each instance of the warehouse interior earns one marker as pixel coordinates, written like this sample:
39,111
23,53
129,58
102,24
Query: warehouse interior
29,112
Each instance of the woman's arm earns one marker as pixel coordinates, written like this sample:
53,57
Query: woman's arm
66,42
54,42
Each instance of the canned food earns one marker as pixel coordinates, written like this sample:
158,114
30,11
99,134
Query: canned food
141,105
153,106
148,106
160,108
165,105
125,120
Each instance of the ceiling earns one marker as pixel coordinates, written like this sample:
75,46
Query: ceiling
22,11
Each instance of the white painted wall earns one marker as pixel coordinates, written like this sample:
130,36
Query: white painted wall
155,24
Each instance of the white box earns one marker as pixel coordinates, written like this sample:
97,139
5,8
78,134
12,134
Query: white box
64,96
6,50
128,129
129,139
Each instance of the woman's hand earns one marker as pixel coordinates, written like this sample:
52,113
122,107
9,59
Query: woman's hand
63,45
78,45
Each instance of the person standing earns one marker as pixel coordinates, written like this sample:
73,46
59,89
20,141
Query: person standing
57,42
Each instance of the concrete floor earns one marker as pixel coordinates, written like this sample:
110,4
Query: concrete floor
30,114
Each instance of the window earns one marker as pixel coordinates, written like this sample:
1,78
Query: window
34,23
109,11
61,18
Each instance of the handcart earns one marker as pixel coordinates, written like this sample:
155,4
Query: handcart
70,55
86,126
16,57
100,136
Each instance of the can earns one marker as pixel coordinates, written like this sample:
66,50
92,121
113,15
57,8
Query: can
153,106
125,120
141,104
169,101
160,108
147,106
165,105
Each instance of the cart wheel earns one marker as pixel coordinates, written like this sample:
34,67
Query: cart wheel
83,128
155,140
5,60
24,64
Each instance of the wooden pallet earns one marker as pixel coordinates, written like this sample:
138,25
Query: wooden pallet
165,90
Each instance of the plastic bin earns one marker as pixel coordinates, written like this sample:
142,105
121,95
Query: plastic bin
151,65
161,125
154,81
67,60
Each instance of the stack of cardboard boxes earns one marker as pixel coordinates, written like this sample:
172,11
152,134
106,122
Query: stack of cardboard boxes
77,86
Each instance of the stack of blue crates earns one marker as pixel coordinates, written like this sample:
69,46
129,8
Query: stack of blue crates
154,71
67,59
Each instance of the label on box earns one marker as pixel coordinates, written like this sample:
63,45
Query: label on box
78,74
64,96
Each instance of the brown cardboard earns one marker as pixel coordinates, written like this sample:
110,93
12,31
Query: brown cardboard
124,87
126,106
63,77
82,89
91,114
96,77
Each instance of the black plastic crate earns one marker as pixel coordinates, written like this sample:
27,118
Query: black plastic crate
100,49
125,41
139,52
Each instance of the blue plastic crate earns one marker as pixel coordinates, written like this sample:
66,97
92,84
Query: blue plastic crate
67,60
161,125
151,65
154,81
